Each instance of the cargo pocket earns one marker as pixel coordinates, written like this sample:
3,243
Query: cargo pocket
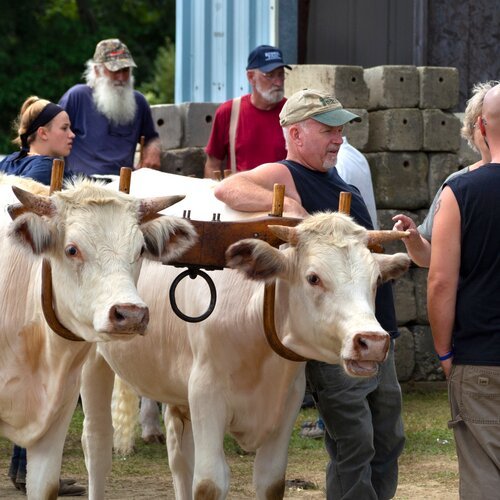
480,395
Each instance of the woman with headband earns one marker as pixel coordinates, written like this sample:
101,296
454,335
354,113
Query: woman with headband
44,133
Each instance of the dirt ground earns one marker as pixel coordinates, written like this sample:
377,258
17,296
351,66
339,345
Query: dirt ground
416,483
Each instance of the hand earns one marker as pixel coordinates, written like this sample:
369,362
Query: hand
403,223
151,156
446,366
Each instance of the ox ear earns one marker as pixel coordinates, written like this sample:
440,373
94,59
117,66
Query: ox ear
257,260
167,238
392,266
32,232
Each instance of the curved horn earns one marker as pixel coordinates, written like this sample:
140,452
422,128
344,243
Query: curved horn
375,237
38,204
149,207
285,233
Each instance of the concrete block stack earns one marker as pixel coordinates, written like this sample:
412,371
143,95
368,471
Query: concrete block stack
412,147
184,131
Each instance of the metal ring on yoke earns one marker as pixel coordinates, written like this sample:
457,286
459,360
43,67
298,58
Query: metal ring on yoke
193,273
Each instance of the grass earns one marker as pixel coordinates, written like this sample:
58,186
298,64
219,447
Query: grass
428,458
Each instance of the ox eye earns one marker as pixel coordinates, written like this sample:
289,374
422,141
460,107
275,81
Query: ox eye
71,251
313,279
143,249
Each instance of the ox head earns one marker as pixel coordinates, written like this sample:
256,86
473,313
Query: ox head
95,240
328,280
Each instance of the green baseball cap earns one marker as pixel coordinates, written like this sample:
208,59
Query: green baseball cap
320,106
114,54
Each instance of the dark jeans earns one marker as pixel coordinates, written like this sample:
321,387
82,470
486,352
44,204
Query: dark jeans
365,434
17,469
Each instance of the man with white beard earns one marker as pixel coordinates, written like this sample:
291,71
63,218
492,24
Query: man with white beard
246,130
108,116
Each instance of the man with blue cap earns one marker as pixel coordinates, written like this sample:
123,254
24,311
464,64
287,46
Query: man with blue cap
246,130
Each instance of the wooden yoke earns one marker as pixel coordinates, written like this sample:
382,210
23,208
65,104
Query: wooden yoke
56,181
215,236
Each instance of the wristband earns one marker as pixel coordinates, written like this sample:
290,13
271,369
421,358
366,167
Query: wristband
446,356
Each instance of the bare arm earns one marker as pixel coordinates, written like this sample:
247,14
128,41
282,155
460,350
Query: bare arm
212,165
151,155
443,274
419,249
252,191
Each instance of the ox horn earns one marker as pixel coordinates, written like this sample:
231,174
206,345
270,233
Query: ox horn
149,207
285,233
375,237
38,204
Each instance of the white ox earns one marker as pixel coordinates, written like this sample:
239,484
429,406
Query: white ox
220,375
94,240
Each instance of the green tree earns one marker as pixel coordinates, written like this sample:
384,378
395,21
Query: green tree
45,44
160,88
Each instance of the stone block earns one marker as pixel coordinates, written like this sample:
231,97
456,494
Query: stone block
399,180
198,118
441,131
441,165
357,132
346,83
186,161
404,354
427,366
398,129
419,276
168,123
439,87
404,299
392,87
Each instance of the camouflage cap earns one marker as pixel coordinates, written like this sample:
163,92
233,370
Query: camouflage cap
114,54
318,105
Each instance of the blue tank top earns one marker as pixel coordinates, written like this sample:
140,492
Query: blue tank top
320,191
476,332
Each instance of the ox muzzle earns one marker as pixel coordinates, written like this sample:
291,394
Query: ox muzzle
128,319
368,350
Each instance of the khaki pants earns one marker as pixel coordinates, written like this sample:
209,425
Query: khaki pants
474,393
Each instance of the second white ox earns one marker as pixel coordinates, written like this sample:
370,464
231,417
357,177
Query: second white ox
94,240
220,375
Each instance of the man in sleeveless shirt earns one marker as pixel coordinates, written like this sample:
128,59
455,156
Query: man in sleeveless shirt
464,309
362,417
257,137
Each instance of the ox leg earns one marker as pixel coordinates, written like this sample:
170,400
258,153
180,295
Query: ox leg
180,446
208,416
150,422
45,456
97,437
270,462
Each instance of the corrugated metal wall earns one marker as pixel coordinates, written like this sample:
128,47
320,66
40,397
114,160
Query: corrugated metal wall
213,40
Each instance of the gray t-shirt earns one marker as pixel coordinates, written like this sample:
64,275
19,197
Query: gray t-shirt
425,229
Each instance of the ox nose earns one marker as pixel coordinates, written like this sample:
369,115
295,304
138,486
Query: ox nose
371,346
129,318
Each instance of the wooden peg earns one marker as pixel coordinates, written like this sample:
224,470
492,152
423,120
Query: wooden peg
125,178
345,202
278,200
56,177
